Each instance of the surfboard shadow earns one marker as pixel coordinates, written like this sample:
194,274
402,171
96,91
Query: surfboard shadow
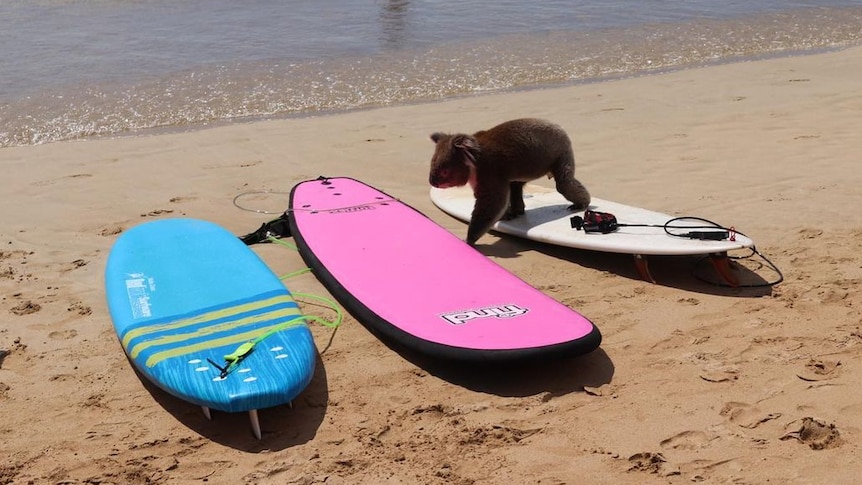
690,273
282,426
557,376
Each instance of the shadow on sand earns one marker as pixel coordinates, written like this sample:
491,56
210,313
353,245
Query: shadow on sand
555,377
519,378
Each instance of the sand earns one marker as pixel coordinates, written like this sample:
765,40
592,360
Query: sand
693,382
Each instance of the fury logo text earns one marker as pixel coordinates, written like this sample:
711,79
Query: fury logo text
502,311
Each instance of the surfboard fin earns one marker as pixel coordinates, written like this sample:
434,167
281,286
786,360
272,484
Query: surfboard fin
255,423
643,268
252,416
721,263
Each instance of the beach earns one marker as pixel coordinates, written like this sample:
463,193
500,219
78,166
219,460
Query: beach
693,382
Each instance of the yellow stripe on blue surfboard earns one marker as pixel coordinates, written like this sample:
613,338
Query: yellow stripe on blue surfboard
204,331
157,357
209,316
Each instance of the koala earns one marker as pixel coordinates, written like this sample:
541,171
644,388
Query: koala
499,161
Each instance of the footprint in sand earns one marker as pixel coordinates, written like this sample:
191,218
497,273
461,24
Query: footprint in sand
111,230
7,273
651,463
688,440
62,378
719,372
18,257
494,435
815,433
718,376
16,253
26,308
17,347
810,233
63,334
746,415
819,370
78,263
157,212
80,308
94,401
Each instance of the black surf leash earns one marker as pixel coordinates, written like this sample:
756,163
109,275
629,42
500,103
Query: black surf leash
606,223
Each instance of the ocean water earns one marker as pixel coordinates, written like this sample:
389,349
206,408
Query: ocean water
73,69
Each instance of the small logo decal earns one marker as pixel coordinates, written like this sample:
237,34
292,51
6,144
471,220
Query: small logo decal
139,287
499,311
356,208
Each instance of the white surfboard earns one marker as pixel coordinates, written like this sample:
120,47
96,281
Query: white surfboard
641,232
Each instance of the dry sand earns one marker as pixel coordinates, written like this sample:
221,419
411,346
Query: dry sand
693,382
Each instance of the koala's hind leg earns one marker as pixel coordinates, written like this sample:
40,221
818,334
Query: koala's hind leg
569,186
516,200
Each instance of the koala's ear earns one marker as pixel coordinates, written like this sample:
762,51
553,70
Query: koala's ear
466,142
470,147
435,137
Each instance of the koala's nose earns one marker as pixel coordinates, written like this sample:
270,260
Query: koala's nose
438,177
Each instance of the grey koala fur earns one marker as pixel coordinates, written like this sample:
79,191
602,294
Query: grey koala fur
499,161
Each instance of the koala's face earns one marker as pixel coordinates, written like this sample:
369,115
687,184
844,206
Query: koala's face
452,162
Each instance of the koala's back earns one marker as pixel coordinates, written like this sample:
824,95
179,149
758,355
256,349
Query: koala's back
524,148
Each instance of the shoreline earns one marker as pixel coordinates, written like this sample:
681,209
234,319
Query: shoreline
169,130
692,382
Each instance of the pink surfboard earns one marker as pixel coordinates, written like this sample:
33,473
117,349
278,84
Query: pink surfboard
418,286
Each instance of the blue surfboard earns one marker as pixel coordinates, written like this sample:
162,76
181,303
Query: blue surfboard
201,316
